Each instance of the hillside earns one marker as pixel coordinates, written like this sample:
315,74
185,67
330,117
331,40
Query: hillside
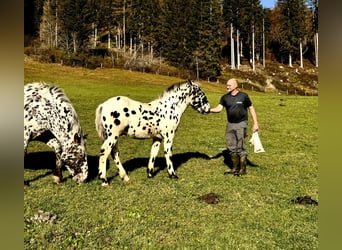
276,77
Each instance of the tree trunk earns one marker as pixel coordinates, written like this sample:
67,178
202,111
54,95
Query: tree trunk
263,44
301,53
108,40
232,56
253,49
124,24
316,48
237,48
56,26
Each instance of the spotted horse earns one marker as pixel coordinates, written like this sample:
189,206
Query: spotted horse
50,117
157,120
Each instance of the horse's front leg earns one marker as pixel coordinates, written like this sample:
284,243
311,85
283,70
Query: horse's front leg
154,152
106,149
168,155
57,172
122,172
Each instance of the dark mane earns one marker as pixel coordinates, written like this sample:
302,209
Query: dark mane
173,87
59,96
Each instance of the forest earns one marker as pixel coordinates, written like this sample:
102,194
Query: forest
197,36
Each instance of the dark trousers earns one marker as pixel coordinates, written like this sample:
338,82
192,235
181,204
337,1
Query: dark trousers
236,138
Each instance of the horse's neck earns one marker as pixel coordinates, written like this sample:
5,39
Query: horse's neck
174,101
66,135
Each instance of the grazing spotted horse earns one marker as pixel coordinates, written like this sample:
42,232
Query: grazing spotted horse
49,117
157,120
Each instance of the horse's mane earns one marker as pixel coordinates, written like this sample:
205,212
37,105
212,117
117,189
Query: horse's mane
59,96
175,86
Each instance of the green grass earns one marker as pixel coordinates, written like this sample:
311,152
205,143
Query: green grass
255,211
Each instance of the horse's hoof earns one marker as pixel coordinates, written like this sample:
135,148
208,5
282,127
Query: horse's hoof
150,173
125,178
104,182
173,176
230,172
56,179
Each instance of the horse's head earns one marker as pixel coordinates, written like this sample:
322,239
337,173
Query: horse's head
199,100
75,159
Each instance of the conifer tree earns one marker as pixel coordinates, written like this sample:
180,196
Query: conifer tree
179,34
76,24
208,48
292,22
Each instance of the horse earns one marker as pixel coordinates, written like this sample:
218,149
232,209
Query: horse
157,120
50,117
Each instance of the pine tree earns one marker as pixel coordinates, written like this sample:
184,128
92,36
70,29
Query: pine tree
143,22
313,5
76,24
179,33
231,14
293,30
208,48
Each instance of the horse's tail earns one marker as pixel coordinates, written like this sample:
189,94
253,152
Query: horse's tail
98,123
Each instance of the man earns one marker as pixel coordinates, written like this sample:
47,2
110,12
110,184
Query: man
236,104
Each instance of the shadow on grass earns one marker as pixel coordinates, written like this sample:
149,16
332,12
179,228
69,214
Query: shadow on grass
160,163
47,160
228,160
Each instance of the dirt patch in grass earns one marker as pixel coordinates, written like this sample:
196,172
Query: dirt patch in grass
306,200
210,198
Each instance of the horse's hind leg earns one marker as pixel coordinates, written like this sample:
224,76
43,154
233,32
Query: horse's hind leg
154,152
122,172
106,148
168,154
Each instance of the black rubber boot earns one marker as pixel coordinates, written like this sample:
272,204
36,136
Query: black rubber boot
243,166
236,164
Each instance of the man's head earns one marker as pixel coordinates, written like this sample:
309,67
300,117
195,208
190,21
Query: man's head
232,85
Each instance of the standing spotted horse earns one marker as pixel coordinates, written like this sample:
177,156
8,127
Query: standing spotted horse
49,117
157,120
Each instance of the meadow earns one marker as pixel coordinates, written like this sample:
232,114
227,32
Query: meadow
255,211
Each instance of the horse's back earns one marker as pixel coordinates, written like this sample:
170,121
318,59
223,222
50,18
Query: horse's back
46,107
123,115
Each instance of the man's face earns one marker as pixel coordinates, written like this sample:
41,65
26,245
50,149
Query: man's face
231,85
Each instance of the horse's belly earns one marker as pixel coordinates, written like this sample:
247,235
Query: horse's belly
143,133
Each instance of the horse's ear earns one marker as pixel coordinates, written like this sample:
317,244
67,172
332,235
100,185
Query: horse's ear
77,139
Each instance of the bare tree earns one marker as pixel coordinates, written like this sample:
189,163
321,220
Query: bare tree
48,26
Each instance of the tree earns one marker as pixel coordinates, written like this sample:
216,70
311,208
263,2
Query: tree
48,38
76,24
231,13
179,33
143,22
33,10
293,29
251,28
208,48
313,6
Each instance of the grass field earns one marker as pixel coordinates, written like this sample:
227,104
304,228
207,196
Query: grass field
254,212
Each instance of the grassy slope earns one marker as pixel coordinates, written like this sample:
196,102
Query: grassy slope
255,211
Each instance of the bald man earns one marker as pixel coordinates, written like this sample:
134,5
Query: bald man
236,104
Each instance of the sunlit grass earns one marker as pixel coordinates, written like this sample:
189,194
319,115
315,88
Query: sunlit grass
255,211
